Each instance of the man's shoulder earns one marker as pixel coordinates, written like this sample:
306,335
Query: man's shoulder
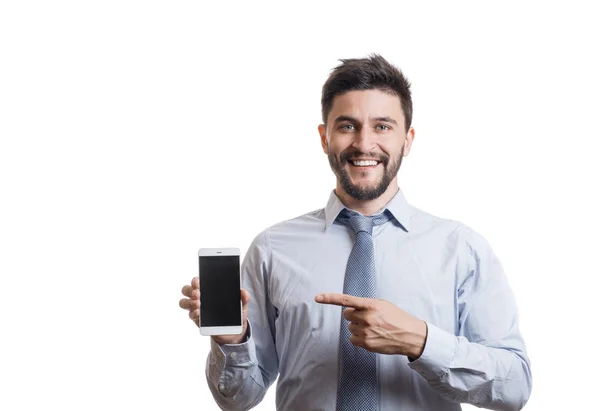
426,223
423,222
309,223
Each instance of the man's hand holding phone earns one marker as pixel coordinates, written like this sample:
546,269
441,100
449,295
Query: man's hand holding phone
192,304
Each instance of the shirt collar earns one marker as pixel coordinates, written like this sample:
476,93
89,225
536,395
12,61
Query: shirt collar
398,207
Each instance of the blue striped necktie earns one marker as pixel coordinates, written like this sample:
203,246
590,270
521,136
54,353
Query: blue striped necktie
357,380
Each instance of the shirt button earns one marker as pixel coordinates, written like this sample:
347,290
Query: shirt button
233,355
221,388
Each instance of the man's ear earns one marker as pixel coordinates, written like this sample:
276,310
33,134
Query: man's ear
323,134
410,137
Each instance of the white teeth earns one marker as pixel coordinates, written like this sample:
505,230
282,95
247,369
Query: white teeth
364,163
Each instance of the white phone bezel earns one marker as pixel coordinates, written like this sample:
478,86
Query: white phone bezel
227,330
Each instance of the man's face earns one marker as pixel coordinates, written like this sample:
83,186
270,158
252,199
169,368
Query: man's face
365,141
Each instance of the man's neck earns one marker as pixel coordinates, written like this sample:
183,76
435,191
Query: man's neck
369,207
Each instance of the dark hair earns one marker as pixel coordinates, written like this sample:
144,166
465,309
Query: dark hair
369,73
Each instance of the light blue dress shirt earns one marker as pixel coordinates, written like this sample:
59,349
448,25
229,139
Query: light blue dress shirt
438,270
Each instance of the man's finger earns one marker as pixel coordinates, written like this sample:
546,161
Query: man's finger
348,313
245,296
195,282
195,316
355,316
343,300
187,291
188,304
357,341
356,330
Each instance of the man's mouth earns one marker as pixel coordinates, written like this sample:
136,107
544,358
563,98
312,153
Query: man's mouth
364,163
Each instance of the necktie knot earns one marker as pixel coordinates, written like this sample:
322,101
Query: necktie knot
361,223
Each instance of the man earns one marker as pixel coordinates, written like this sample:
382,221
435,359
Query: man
428,320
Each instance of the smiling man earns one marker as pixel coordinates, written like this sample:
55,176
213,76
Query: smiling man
365,138
370,303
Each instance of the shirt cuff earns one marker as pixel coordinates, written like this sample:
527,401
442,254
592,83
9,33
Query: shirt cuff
227,361
242,354
438,354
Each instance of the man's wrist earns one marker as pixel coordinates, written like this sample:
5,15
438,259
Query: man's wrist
420,339
233,339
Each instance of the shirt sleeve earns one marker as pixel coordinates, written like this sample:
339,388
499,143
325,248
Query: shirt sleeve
239,375
486,363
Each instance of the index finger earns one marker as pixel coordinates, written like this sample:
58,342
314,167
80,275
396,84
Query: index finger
343,300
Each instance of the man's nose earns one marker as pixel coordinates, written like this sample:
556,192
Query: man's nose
365,140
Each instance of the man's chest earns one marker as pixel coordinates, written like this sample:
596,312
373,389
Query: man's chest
419,278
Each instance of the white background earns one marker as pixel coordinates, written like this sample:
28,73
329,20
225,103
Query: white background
135,132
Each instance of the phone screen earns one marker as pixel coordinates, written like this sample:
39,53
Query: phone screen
220,291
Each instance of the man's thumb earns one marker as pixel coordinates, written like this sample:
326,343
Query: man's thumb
245,297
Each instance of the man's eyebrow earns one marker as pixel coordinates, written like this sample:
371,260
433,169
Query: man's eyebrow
386,120
341,118
351,119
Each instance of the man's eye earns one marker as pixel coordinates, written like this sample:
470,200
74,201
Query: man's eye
347,127
383,127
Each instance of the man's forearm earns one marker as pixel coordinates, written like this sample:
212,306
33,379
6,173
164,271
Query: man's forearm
233,375
461,371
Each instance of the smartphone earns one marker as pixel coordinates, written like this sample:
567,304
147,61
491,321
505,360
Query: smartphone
220,286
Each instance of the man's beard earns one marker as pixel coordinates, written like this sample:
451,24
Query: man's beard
390,170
